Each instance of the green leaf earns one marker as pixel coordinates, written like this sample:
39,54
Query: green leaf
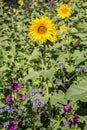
78,92
32,74
58,98
83,118
1,104
48,73
85,128
81,35
73,30
35,54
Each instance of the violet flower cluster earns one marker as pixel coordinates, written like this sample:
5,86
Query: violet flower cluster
12,105
15,87
10,125
70,121
81,69
35,96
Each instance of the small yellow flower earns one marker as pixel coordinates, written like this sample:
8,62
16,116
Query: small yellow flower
62,28
64,11
42,30
20,2
71,0
15,11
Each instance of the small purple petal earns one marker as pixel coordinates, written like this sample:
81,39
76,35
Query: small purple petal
60,64
6,124
7,107
67,108
8,98
33,92
62,124
70,123
36,102
76,45
1,111
22,97
76,119
56,80
60,87
79,69
20,112
42,104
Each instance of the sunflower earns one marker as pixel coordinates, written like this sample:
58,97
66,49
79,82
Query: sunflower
42,30
15,11
64,11
20,2
62,28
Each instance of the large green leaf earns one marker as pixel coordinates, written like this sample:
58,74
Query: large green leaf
58,98
48,73
78,92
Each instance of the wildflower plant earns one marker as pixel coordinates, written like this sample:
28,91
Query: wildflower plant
43,65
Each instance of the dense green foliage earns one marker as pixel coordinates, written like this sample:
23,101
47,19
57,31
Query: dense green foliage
57,71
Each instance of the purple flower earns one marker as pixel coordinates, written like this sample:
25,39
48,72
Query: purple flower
70,123
33,92
36,101
22,97
20,121
56,80
8,98
67,85
1,111
50,4
6,124
76,119
15,87
67,108
20,112
60,64
12,126
10,110
6,108
76,45
79,69
62,124
60,87
42,104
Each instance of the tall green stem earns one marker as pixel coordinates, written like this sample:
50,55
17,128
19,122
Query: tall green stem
44,62
34,127
44,56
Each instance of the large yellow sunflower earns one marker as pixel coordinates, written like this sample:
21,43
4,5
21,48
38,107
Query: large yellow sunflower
64,11
42,30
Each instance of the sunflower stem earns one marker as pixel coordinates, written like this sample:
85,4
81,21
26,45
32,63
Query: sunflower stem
44,62
44,56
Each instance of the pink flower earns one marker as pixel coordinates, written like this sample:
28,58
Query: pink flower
12,126
22,97
76,119
67,108
9,98
15,87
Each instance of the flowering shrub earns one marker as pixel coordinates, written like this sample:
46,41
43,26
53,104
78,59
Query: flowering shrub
43,65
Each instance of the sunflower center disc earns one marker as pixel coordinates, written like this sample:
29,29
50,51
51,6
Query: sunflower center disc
65,11
42,29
